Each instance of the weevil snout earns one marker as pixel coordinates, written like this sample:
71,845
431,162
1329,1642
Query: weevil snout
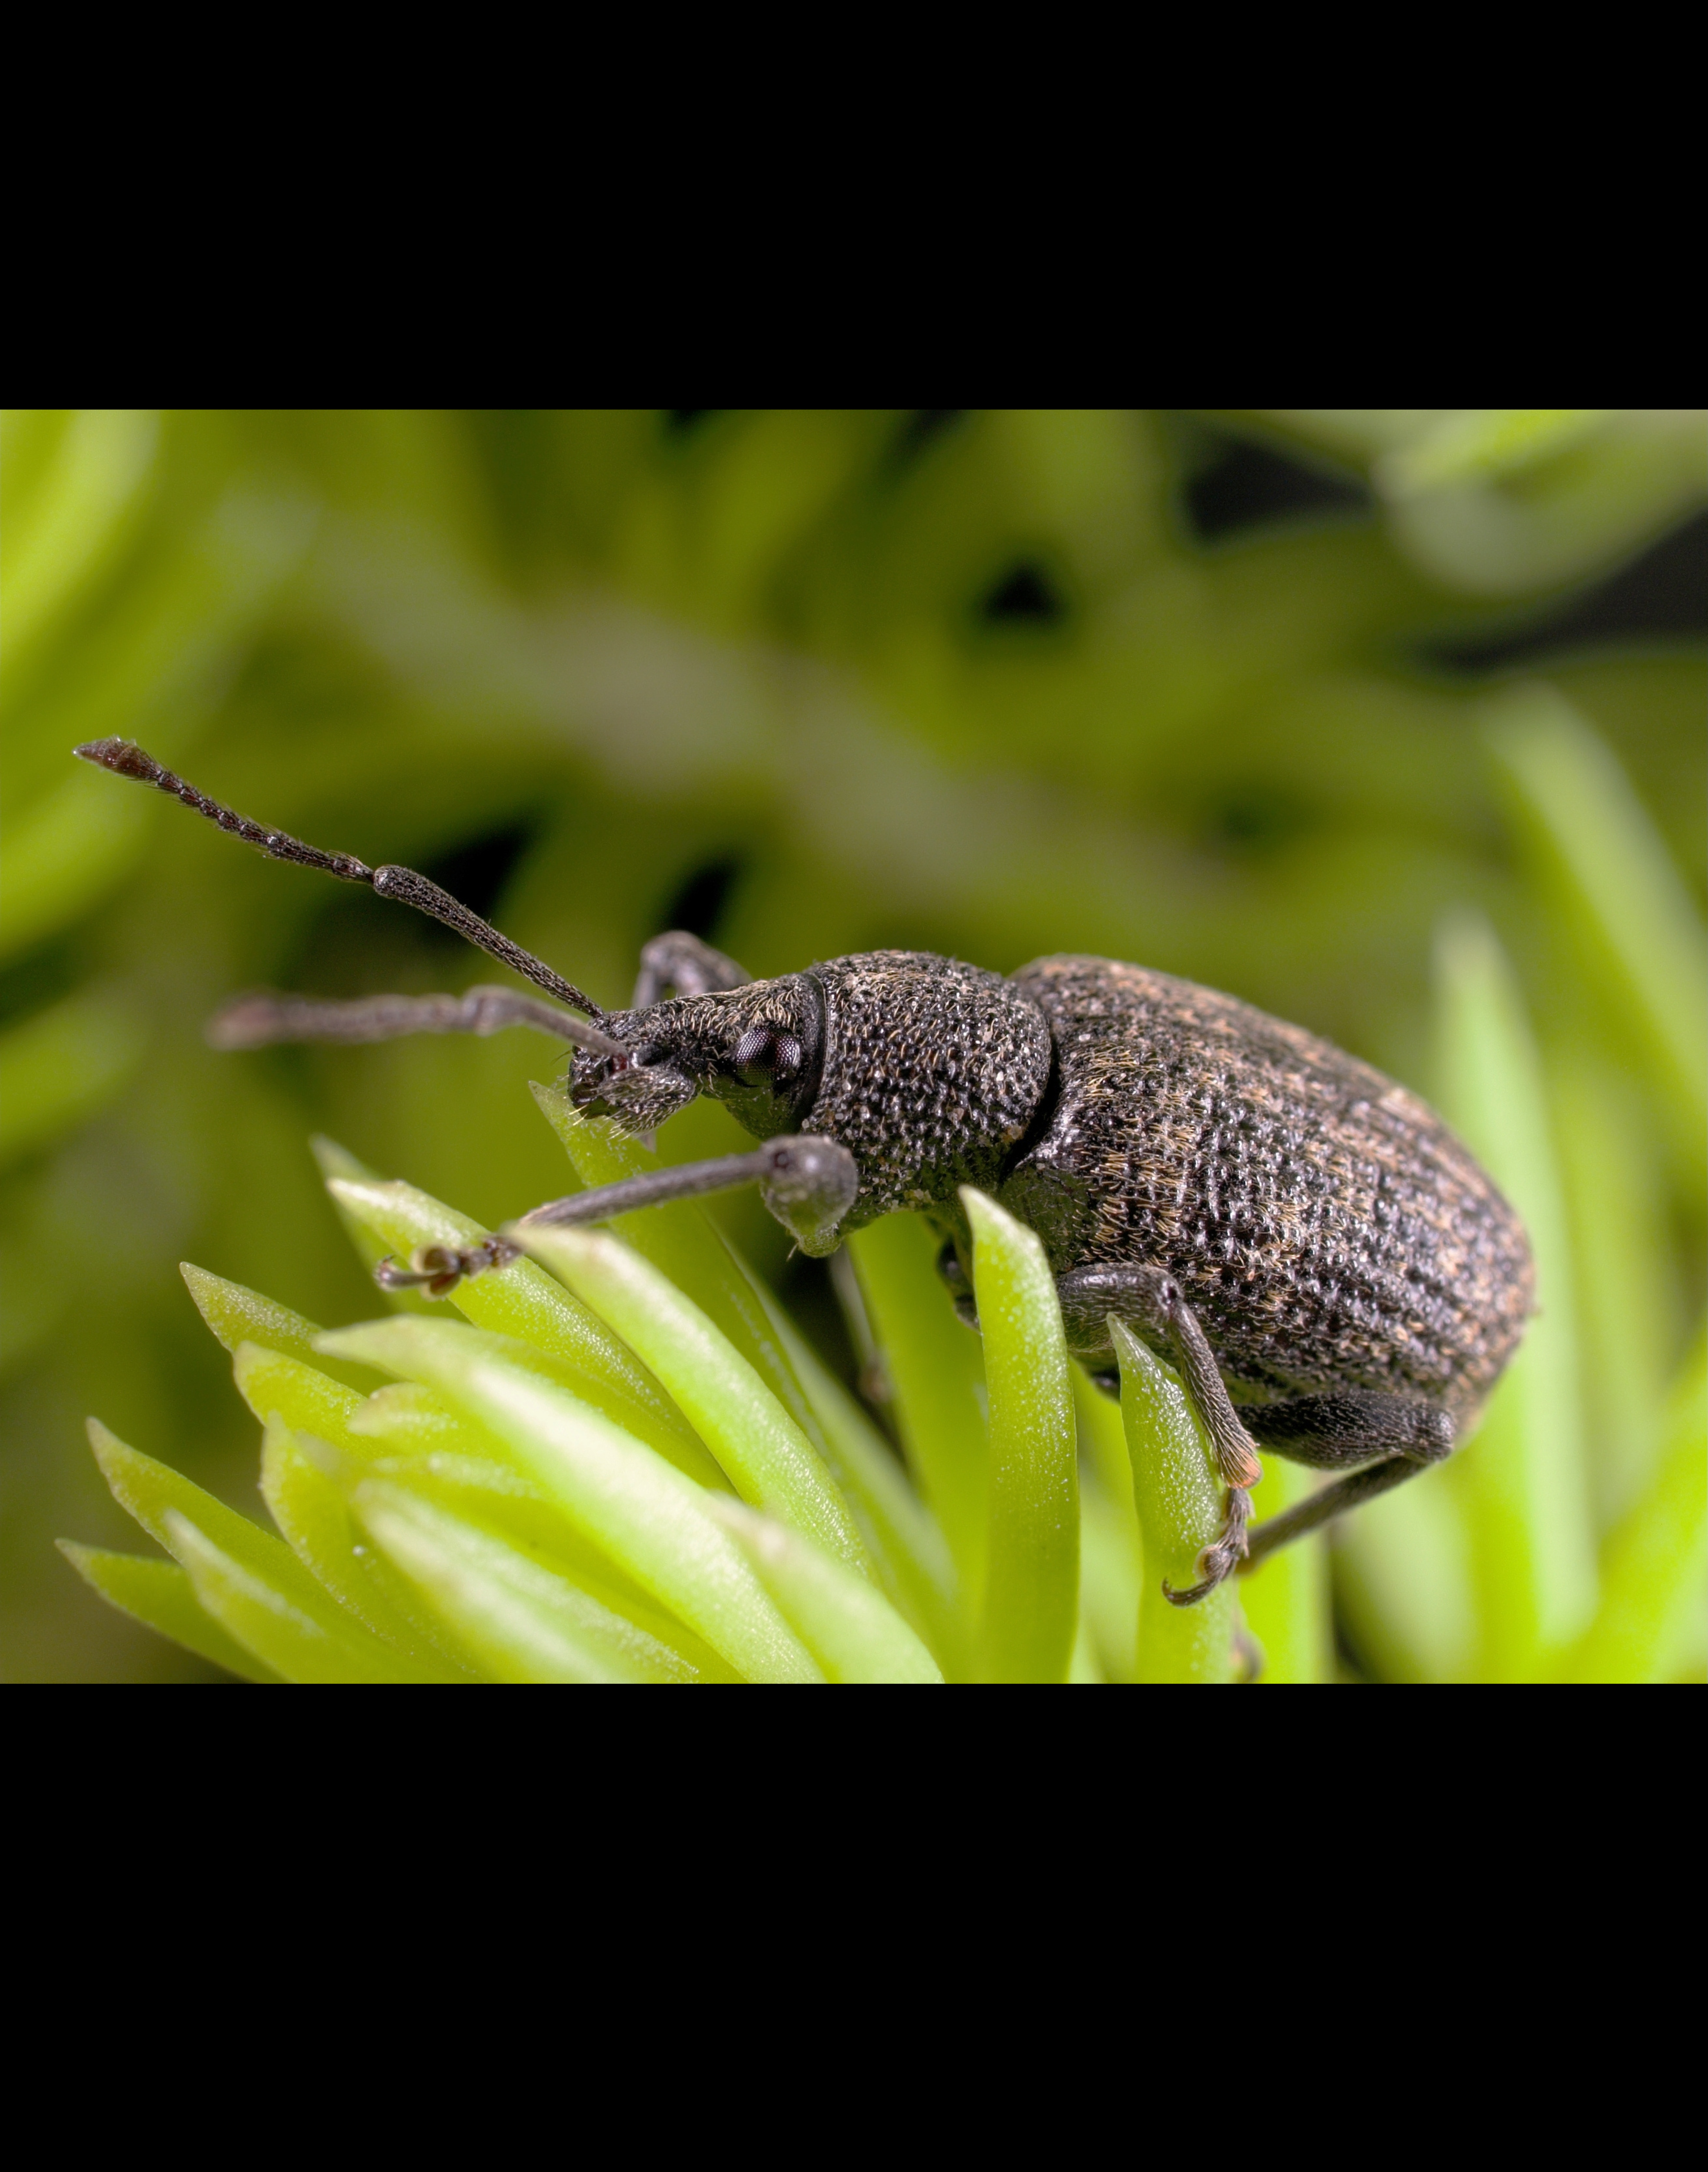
641,1086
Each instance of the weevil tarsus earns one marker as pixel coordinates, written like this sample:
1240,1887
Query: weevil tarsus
1150,1302
1223,1556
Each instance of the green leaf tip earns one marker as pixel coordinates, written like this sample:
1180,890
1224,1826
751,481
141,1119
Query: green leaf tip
624,1496
235,1314
850,1629
159,1594
1030,1609
771,1459
1177,1500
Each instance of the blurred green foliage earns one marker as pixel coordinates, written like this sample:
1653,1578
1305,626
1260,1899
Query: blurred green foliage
1299,704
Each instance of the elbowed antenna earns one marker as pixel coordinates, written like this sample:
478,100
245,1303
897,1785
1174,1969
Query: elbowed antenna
125,759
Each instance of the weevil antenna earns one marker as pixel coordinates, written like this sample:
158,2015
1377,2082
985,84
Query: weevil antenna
125,759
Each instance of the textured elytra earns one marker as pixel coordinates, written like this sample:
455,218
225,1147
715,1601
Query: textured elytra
1324,1224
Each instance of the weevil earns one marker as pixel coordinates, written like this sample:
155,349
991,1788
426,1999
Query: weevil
1327,1268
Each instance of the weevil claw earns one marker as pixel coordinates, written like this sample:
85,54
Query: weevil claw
1218,1561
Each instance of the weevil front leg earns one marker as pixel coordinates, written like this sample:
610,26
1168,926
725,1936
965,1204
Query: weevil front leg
1151,1301
808,1183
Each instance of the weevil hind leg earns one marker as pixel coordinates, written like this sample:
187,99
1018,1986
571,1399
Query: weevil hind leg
1349,1427
1352,1491
1150,1301
1378,1440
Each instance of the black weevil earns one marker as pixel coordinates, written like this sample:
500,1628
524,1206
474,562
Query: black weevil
1327,1268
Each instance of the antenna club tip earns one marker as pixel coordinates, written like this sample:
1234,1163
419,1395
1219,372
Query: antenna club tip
123,756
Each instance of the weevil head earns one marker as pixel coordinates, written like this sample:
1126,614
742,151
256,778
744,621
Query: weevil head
755,1048
929,1072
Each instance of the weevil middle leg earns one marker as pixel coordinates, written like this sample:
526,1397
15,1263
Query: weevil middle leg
1152,1301
1380,1439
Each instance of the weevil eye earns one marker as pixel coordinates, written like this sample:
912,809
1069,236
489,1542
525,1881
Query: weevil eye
767,1056
649,1052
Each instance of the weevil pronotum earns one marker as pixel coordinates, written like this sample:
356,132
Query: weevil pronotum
1326,1266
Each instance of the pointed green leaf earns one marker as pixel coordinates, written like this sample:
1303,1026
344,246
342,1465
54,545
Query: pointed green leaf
523,1301
160,1595
1111,1551
1030,1611
683,1242
288,1638
527,1624
303,1396
314,1516
496,1501
1108,1585
235,1314
162,1501
653,1521
935,1370
411,1420
1178,1500
913,1561
337,1166
770,1459
850,1628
